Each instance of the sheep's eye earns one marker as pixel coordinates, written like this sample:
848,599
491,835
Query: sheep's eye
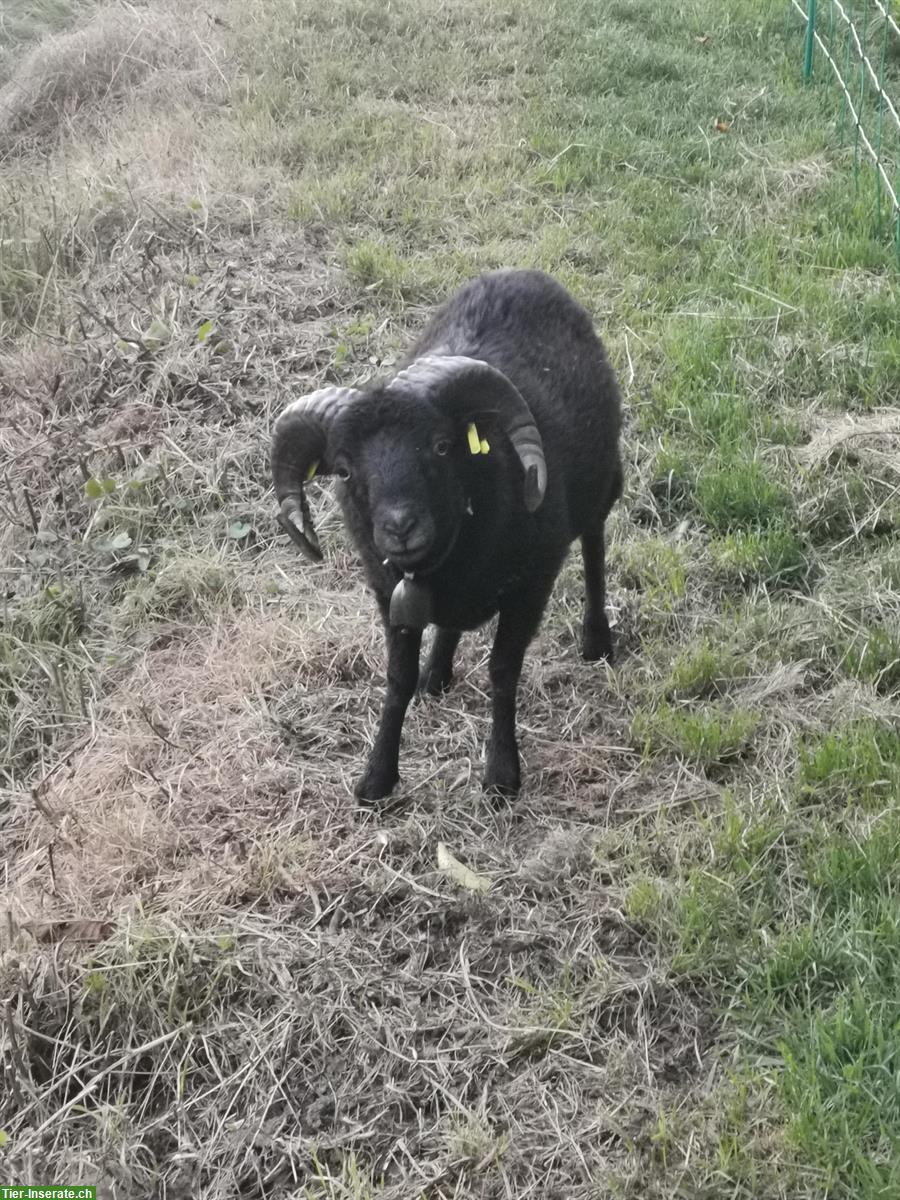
342,470
442,447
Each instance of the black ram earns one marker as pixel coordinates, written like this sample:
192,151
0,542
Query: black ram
463,482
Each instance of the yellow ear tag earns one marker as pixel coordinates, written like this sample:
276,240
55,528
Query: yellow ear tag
474,440
485,446
311,472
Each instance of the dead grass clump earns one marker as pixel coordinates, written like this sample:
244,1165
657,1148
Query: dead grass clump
852,431
208,778
558,856
801,178
303,991
184,766
104,60
378,1014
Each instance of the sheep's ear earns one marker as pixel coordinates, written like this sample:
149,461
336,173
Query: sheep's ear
468,386
489,423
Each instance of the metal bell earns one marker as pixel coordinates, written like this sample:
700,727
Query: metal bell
410,604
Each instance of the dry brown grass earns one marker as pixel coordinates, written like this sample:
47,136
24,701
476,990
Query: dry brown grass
362,1001
198,827
120,52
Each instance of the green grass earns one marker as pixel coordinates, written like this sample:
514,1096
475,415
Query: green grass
874,656
858,764
704,670
827,991
795,915
772,556
737,495
709,735
316,180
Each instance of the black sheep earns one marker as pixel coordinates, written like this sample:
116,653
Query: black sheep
464,481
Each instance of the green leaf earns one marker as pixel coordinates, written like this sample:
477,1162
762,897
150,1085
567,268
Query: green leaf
96,489
4,1138
157,334
204,331
192,280
239,529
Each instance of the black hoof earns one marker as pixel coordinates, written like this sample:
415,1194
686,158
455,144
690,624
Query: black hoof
375,785
502,781
431,683
596,645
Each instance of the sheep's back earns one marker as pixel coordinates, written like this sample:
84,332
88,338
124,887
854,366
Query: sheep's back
528,326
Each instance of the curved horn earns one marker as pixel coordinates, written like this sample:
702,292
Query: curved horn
472,385
299,446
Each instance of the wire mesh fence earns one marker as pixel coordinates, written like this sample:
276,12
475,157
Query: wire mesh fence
855,45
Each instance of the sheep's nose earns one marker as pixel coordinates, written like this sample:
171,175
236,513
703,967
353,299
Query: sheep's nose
399,522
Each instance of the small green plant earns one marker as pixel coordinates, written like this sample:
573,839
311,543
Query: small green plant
346,1179
703,671
643,901
471,1139
858,763
380,268
775,556
739,495
655,568
874,656
708,736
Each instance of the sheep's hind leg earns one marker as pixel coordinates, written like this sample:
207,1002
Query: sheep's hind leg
596,636
437,674
515,629
382,770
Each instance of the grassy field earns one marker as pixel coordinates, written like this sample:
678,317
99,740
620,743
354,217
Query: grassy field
217,977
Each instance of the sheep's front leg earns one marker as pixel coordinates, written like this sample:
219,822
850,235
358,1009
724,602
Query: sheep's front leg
437,674
596,639
382,771
515,629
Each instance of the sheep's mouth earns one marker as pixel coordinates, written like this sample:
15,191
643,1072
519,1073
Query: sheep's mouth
405,562
412,559
424,559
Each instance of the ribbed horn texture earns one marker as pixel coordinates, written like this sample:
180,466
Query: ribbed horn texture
299,441
469,385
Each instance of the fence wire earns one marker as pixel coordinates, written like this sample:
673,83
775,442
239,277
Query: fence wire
858,42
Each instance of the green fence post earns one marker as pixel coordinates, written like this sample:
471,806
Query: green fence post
810,38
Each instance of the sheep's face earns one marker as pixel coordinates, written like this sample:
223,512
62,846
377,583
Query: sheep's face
405,475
